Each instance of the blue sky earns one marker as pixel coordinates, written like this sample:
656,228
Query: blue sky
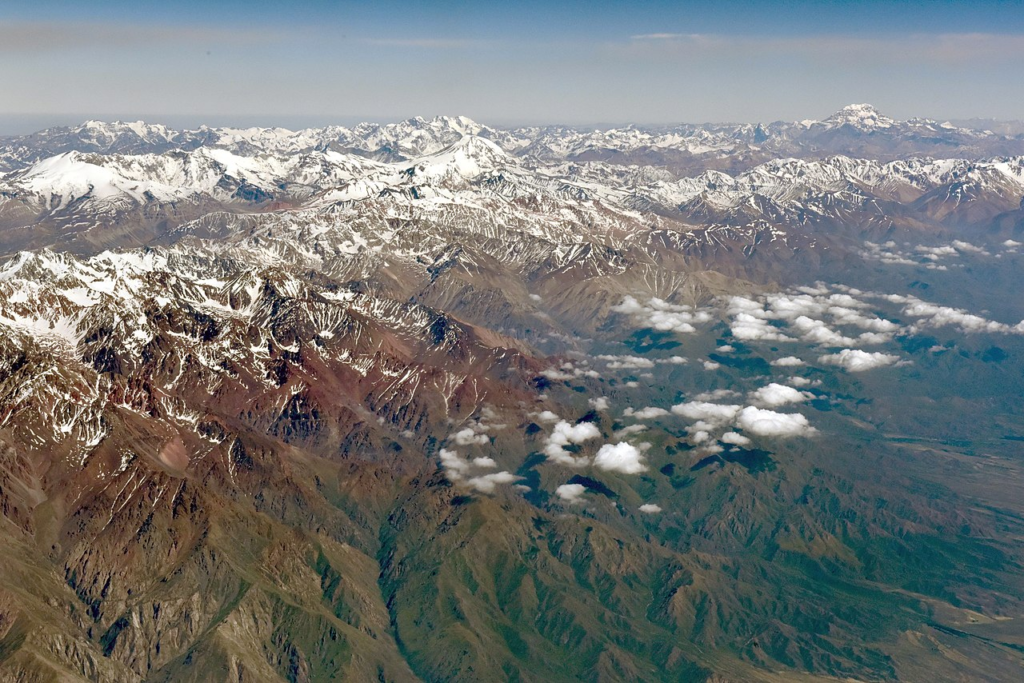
308,63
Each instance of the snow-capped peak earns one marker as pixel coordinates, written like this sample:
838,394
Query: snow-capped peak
860,116
469,157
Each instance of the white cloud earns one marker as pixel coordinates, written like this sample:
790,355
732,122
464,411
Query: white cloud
455,465
661,315
855,360
600,403
658,36
626,362
844,315
556,375
747,327
457,469
569,371
935,253
620,457
960,245
726,348
647,413
933,315
565,434
571,493
889,254
469,436
711,365
716,395
547,416
650,508
486,483
770,423
715,414
775,394
793,306
629,430
735,439
788,361
817,332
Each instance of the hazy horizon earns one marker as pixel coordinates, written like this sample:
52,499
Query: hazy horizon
511,63
26,124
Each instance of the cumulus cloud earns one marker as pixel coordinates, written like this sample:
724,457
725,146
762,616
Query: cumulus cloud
708,417
565,434
962,246
569,371
547,416
933,315
571,493
817,332
926,256
469,436
626,362
747,327
804,312
788,361
629,430
855,360
845,315
556,375
935,253
599,403
711,413
775,394
662,315
716,395
487,482
458,469
726,348
647,413
475,433
763,422
886,253
621,457
650,508
455,465
734,438
711,365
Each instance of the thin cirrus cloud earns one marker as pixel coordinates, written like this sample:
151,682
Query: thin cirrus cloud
28,38
945,48
431,43
605,69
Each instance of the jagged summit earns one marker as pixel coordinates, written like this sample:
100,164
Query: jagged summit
860,116
686,147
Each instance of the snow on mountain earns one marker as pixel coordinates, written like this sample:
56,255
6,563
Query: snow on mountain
418,137
860,116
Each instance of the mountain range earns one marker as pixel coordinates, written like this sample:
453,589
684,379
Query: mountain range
439,401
